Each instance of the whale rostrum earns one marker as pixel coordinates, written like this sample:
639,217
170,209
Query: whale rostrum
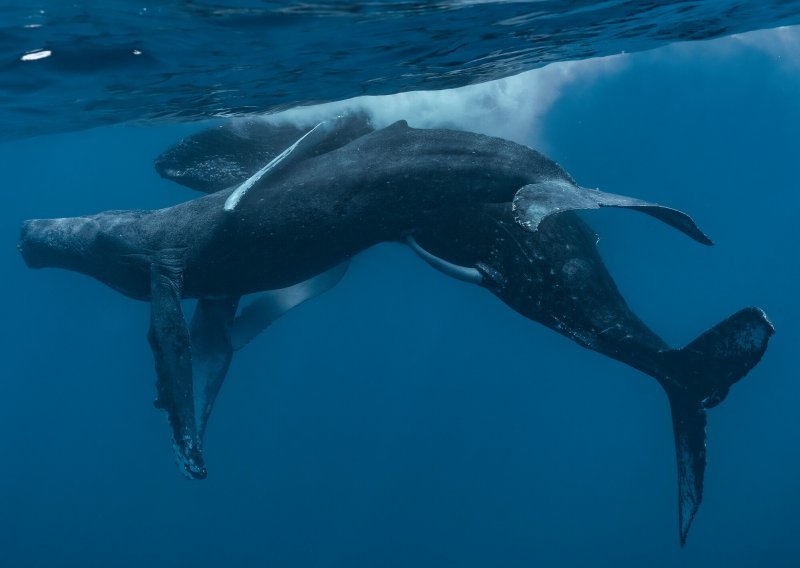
288,207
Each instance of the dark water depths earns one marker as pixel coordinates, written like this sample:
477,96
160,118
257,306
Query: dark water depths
405,419
121,60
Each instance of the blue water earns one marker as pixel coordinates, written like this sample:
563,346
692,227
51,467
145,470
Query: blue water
404,419
113,61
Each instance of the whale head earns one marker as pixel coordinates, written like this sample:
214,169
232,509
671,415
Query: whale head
101,246
57,243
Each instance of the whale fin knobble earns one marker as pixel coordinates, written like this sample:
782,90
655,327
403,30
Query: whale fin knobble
535,202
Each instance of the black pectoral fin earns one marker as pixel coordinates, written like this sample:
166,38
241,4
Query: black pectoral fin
689,428
535,202
212,352
169,340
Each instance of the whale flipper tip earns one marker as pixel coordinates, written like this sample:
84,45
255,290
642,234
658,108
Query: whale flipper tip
535,202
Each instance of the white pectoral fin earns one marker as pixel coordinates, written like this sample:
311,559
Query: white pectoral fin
464,273
266,307
535,202
294,153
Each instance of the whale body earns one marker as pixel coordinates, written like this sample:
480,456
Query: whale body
481,209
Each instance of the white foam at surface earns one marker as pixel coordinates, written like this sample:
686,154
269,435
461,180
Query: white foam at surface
511,108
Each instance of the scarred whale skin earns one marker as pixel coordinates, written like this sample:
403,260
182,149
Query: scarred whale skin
307,220
492,211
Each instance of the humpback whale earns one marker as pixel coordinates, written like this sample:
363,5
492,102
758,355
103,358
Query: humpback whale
287,208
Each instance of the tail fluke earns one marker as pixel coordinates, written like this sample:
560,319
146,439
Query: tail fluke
699,377
689,427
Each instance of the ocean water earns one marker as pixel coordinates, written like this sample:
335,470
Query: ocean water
405,419
114,61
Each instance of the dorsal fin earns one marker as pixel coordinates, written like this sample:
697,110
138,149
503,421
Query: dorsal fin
535,202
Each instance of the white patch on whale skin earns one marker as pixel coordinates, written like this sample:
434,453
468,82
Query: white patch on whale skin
306,142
